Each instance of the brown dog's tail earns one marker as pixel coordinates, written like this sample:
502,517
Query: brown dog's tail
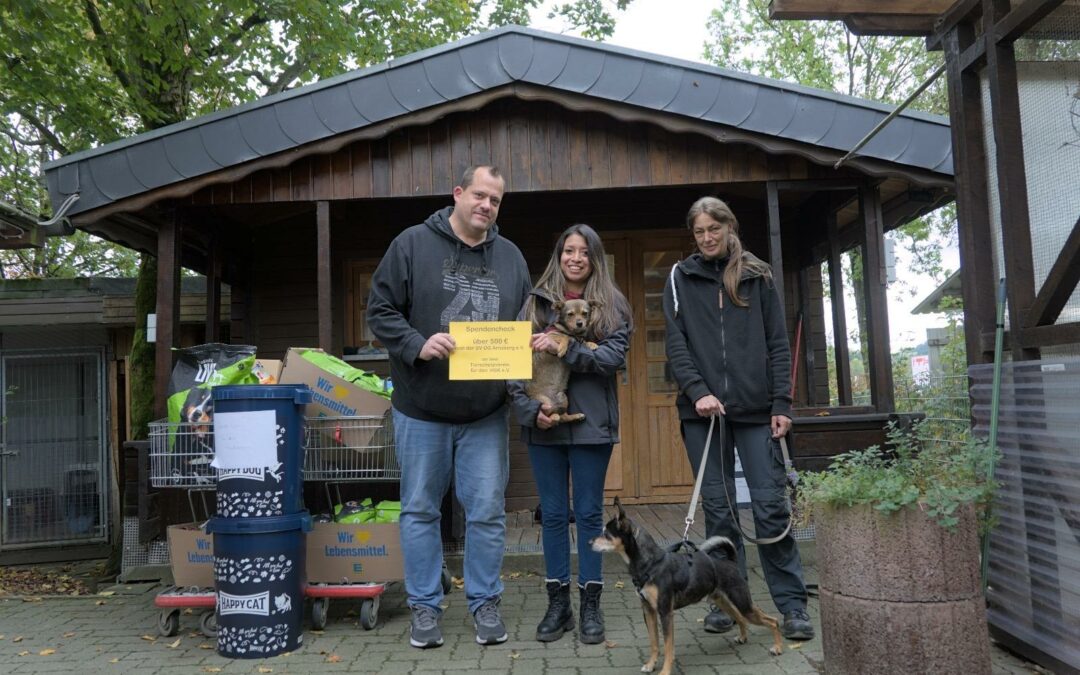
719,542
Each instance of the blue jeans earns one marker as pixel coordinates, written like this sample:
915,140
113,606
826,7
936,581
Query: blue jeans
477,455
553,467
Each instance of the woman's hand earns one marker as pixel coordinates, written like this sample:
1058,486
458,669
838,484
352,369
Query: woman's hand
709,405
780,425
541,342
542,419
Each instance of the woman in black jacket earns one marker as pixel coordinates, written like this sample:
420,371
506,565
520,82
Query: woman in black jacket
727,348
577,450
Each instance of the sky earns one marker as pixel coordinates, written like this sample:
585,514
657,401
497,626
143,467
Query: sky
653,26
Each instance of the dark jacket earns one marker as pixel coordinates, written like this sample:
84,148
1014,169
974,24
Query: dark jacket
740,355
591,390
428,278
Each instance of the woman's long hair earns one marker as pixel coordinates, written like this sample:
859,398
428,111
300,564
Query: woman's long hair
741,264
613,309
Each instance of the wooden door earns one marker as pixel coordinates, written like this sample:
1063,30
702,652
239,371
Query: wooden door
651,464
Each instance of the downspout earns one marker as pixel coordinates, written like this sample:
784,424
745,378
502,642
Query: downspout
995,407
58,225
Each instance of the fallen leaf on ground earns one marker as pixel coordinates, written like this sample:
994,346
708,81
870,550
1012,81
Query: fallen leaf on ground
106,593
316,632
47,652
514,655
33,598
457,582
619,584
795,645
100,603
515,575
17,638
211,669
189,611
114,660
206,645
333,658
149,638
610,644
176,644
264,669
23,653
69,634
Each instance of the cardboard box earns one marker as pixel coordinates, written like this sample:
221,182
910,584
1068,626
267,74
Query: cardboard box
348,444
338,553
191,554
334,397
267,370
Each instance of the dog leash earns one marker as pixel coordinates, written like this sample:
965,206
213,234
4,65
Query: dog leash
735,516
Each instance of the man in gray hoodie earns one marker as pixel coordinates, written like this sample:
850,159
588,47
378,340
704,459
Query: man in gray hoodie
452,267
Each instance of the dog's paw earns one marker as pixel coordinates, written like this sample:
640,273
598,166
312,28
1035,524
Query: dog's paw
592,345
776,651
740,640
648,667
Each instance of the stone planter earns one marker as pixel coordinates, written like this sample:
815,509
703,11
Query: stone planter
899,593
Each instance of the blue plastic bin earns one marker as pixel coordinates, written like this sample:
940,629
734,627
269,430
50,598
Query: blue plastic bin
259,572
258,491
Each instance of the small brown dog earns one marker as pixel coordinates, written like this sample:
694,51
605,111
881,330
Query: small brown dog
550,372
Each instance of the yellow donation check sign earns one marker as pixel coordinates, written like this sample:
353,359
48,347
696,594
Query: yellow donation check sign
491,350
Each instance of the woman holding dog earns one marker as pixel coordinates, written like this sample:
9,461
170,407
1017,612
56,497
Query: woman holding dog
575,450
727,348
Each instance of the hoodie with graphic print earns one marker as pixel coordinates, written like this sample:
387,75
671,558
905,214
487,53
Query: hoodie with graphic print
428,278
740,355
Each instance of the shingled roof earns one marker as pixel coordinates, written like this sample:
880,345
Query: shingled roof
484,62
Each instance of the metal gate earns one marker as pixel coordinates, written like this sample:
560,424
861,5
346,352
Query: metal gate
53,448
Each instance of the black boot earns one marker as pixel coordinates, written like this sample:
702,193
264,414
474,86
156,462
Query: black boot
592,619
559,617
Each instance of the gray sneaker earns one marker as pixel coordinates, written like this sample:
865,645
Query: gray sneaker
424,631
490,629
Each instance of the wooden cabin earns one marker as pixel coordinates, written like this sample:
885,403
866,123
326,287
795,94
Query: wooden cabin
293,198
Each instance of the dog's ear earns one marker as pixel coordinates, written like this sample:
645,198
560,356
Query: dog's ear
618,506
558,305
593,304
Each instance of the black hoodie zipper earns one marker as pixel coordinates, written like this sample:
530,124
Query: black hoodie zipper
723,340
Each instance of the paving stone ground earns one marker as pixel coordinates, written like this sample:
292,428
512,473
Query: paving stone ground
118,634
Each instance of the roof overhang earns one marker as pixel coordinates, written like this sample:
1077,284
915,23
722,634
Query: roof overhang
174,161
867,17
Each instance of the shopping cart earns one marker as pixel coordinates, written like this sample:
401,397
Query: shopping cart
341,450
180,454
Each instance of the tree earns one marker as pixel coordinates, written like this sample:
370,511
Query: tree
826,55
74,74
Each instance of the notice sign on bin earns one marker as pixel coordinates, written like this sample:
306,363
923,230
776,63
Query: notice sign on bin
245,439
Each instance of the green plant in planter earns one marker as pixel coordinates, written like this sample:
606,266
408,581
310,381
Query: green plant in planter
938,477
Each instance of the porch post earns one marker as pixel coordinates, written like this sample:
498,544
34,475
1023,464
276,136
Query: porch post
969,149
776,254
807,366
1012,184
836,288
876,300
213,289
170,237
322,226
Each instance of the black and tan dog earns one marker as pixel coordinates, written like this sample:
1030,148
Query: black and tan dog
668,581
550,372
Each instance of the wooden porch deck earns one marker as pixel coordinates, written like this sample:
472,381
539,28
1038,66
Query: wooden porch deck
664,521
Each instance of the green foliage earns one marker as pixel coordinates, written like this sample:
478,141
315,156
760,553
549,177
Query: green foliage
78,74
938,477
823,54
